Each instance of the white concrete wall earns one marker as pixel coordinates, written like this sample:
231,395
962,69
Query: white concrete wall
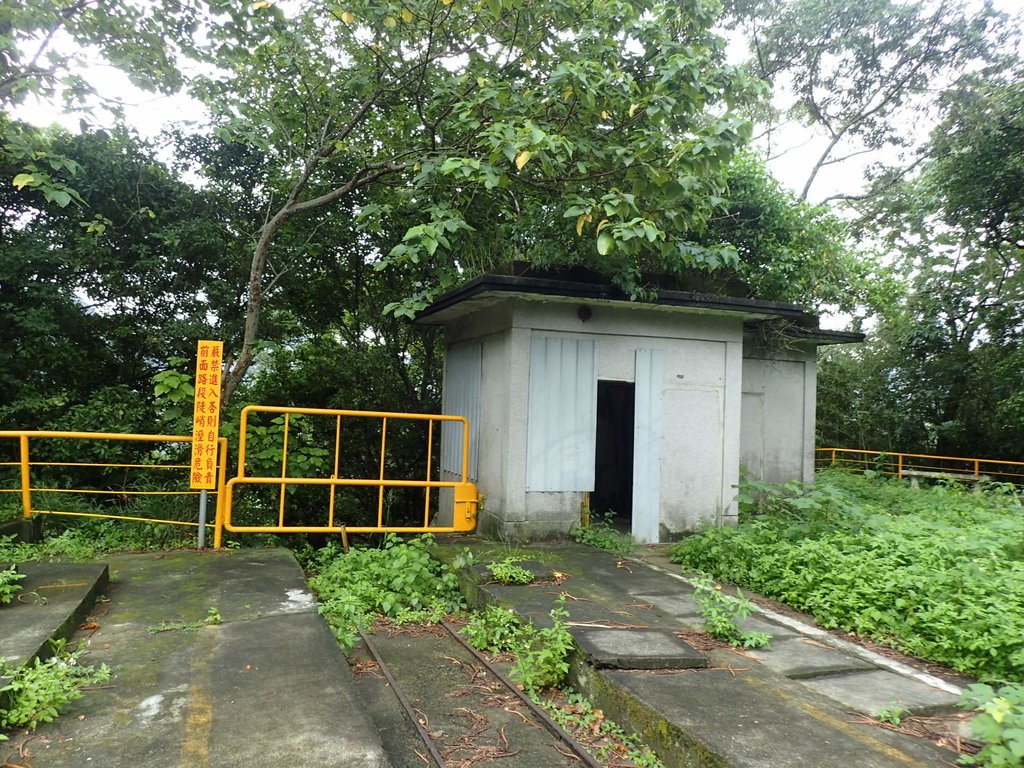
701,378
777,434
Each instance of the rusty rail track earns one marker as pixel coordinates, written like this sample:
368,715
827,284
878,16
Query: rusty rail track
578,752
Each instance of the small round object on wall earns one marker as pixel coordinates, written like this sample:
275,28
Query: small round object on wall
584,313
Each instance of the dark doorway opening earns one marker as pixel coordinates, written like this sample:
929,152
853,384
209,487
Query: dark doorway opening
613,475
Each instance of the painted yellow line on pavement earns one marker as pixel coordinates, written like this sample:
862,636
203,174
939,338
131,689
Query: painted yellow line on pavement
195,749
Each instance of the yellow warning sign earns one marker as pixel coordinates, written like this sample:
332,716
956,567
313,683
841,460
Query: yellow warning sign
206,415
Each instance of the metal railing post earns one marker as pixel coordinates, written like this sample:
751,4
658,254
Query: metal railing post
284,471
26,478
222,490
383,453
201,538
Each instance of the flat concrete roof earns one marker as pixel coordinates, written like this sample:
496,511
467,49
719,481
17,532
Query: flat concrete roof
490,290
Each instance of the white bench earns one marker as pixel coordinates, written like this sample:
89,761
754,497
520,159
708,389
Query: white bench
915,475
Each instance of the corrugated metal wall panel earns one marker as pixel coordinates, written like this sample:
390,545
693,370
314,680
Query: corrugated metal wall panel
562,415
647,429
463,377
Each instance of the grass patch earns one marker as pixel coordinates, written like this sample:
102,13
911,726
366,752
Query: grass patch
938,573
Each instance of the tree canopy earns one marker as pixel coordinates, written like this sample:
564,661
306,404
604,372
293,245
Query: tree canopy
361,157
498,132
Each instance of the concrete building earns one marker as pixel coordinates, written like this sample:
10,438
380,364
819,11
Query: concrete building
576,395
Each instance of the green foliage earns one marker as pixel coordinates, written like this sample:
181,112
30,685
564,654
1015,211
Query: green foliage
598,137
507,572
601,533
39,690
9,510
9,588
398,580
543,660
577,715
937,573
173,390
542,655
941,371
789,250
97,295
496,630
721,612
999,726
265,448
892,714
81,542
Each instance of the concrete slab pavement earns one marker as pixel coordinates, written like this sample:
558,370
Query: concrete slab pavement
266,687
792,707
54,597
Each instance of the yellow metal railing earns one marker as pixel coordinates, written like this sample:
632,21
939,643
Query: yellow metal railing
914,464
28,474
466,497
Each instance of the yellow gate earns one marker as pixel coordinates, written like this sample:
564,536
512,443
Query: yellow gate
159,460
465,495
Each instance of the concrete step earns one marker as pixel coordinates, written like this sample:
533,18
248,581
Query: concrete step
268,686
54,599
798,705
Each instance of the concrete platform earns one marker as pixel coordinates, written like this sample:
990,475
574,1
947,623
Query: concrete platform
266,687
793,706
869,691
636,649
801,658
54,599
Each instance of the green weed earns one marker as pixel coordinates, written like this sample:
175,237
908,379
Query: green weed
9,587
399,580
578,716
507,572
601,533
999,725
721,612
543,660
212,619
892,714
91,539
496,630
38,691
542,655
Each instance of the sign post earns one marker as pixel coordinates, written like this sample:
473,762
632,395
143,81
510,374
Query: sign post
206,426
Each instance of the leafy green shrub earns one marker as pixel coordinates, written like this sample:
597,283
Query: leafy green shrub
939,573
496,630
38,691
399,580
721,612
600,533
507,572
543,661
9,510
9,588
999,725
